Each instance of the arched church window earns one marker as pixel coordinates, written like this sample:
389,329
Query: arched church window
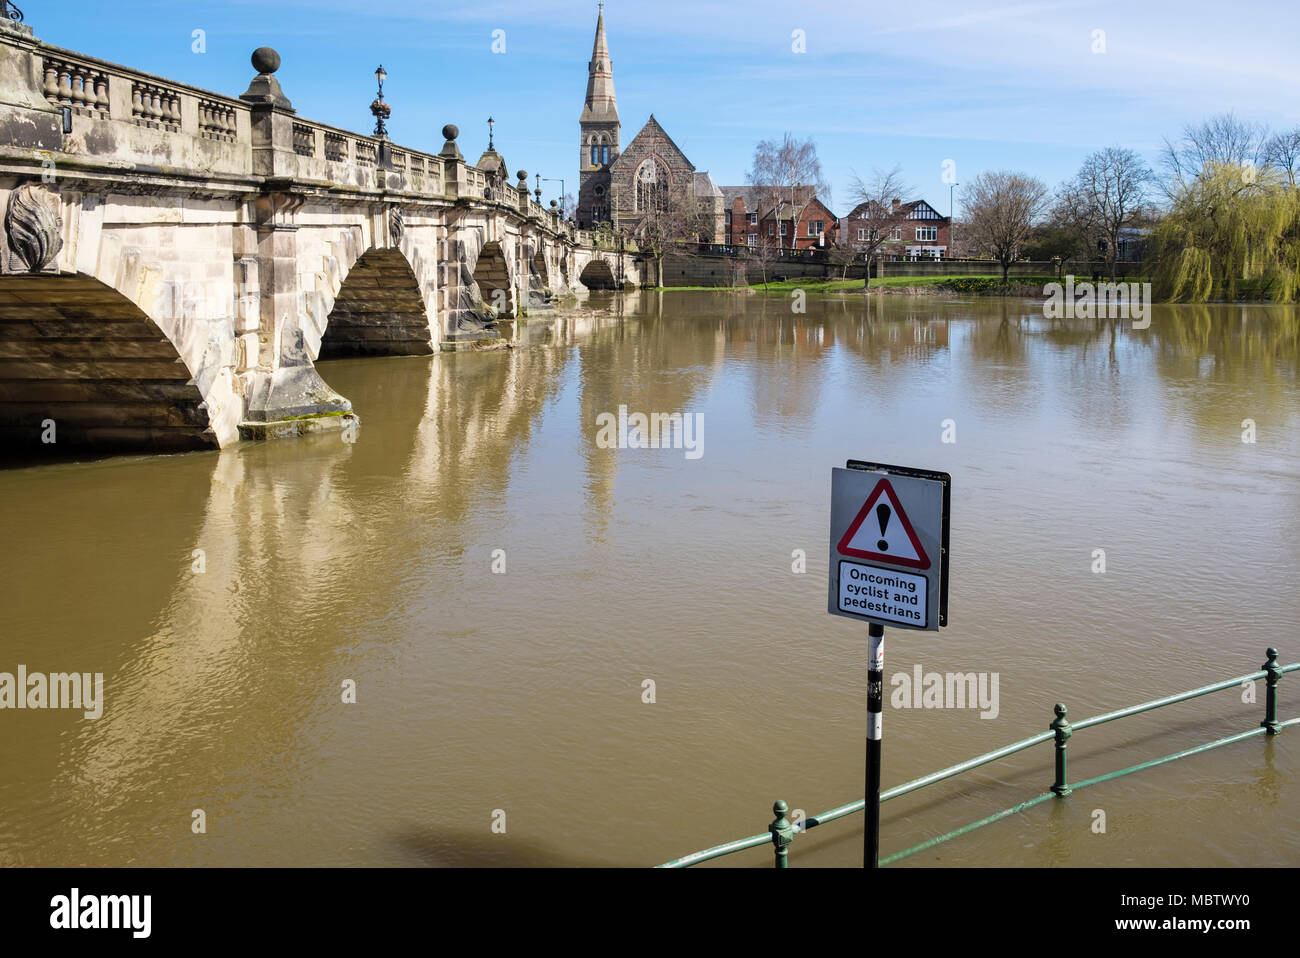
651,187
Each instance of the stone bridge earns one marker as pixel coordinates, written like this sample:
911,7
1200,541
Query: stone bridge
173,261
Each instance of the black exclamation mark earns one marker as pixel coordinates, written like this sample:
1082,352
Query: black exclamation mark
882,516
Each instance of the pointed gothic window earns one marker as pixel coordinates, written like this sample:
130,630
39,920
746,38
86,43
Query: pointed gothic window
651,187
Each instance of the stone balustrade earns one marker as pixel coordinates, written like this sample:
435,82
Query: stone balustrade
217,120
173,119
155,105
78,85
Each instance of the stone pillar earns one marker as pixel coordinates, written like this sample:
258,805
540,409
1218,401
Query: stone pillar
285,394
272,119
27,119
455,182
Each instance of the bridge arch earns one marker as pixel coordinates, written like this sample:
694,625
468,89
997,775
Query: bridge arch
378,310
598,275
492,275
79,354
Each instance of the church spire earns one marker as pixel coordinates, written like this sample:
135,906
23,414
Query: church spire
600,103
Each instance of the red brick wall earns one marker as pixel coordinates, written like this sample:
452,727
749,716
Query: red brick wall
898,248
740,228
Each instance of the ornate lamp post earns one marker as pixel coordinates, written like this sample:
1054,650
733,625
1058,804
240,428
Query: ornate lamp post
491,124
381,110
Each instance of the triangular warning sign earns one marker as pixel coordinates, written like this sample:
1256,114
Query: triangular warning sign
883,533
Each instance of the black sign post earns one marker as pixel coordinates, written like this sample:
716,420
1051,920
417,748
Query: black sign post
875,714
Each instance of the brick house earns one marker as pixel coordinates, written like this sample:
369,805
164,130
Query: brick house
916,230
750,221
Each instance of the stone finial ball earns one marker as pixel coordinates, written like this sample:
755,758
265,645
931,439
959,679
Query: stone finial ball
265,60
522,174
554,204
450,131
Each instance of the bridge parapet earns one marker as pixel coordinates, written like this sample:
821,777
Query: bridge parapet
136,118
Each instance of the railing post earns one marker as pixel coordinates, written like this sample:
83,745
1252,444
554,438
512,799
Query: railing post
782,833
1061,727
1270,696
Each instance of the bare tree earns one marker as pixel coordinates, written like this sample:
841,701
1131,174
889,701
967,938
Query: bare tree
787,175
1003,207
569,206
1105,198
671,228
874,214
1283,152
760,257
843,254
1220,140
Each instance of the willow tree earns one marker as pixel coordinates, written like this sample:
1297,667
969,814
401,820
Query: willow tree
1231,223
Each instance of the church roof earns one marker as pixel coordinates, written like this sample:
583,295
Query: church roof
704,186
630,155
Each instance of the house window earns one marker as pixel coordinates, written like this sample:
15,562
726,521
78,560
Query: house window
769,229
862,235
753,239
896,233
818,227
927,233
753,219
726,218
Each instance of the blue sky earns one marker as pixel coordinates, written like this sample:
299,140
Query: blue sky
989,85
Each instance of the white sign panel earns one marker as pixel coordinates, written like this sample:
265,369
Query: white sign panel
889,545
896,597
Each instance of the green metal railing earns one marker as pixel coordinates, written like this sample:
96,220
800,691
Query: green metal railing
781,832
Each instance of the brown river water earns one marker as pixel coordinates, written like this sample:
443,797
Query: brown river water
480,693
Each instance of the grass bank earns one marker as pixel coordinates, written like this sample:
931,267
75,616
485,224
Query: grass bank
984,285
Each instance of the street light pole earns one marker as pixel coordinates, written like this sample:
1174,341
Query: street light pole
381,110
548,179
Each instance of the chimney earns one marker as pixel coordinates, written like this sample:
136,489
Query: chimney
897,204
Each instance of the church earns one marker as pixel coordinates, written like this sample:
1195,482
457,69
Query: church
652,177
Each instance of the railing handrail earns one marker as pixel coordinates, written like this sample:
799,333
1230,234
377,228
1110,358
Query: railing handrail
754,841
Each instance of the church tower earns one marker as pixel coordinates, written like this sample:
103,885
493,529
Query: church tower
598,137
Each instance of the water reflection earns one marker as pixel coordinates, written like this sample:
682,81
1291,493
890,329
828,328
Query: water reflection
326,561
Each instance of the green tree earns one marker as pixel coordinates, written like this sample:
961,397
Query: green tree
1231,222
